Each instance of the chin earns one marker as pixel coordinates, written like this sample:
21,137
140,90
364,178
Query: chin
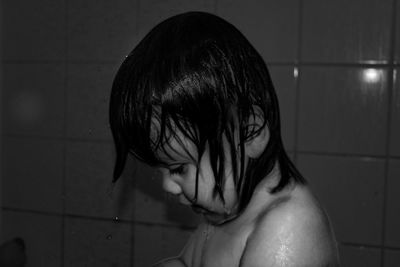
218,219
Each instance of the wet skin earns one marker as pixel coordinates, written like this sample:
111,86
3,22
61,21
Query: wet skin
287,228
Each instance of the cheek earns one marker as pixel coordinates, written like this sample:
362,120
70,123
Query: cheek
188,183
207,180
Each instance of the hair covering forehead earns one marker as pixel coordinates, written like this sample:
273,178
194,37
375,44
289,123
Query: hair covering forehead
169,139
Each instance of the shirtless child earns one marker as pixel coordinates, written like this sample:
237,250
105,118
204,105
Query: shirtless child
195,100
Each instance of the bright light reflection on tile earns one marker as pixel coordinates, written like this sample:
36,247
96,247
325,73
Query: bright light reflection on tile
372,85
295,72
371,75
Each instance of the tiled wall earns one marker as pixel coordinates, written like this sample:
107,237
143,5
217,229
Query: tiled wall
336,68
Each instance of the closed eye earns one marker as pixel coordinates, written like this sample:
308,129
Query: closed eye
180,169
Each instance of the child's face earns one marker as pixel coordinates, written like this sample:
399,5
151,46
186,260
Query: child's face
179,178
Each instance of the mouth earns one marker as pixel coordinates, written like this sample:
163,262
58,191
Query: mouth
199,210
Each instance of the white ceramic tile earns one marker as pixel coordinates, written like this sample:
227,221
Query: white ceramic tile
343,110
346,31
89,89
33,30
360,256
89,188
41,234
153,12
397,41
101,29
394,148
33,99
392,235
351,190
271,26
97,243
284,82
32,174
392,258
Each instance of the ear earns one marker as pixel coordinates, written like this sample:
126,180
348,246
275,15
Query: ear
257,144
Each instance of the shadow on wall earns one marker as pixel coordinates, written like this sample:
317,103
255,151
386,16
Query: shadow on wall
12,253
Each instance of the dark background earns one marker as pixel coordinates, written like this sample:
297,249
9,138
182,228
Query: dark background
335,66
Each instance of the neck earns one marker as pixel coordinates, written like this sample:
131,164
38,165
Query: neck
270,181
262,197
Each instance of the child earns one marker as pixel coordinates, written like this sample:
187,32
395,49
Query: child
195,100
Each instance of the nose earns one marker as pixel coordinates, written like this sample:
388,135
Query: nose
171,186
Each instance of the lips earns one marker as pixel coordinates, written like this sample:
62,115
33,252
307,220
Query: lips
198,209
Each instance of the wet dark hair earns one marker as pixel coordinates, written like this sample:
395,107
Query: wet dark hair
196,74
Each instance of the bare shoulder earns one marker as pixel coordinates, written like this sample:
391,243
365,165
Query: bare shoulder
294,231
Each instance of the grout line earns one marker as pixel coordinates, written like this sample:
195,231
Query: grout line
359,245
110,142
46,213
338,154
146,223
182,227
33,61
297,83
62,61
138,19
97,62
133,183
281,63
391,248
132,240
64,141
335,64
58,138
132,225
391,82
97,218
1,121
386,166
348,64
269,63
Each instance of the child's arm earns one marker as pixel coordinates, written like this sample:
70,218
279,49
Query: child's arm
294,237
